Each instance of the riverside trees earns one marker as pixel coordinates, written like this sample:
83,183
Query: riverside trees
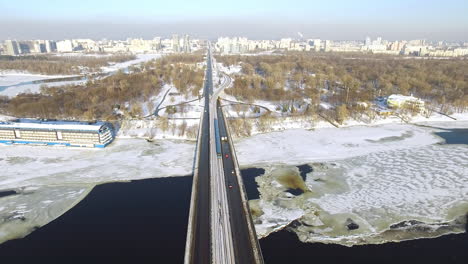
348,79
98,98
62,65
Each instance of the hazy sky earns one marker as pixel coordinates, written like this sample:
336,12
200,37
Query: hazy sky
331,19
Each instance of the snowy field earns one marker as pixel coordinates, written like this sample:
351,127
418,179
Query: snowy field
79,54
140,58
13,83
396,182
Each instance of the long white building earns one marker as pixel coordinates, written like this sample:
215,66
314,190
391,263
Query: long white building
74,134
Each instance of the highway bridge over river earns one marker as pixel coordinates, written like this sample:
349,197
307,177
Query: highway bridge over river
220,228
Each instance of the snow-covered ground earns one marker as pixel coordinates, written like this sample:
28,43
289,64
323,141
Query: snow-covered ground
140,58
13,83
80,54
186,107
125,159
384,178
232,69
152,128
15,77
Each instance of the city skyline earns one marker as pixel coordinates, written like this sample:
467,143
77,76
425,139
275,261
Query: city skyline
335,20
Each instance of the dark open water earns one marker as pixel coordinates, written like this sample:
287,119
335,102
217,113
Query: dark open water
145,221
142,221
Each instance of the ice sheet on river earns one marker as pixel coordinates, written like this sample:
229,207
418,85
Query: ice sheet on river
125,159
405,187
51,180
35,206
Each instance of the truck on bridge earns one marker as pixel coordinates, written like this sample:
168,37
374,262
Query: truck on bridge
217,137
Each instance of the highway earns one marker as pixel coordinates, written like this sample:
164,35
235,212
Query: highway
198,246
247,249
220,226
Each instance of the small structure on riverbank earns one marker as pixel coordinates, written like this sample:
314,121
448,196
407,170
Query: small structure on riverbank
64,133
402,101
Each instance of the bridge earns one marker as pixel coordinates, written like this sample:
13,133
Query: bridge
220,228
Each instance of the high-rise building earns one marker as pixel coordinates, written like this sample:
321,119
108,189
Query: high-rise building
285,43
12,47
65,46
327,45
186,43
24,47
378,41
39,46
157,43
315,44
175,43
368,41
50,46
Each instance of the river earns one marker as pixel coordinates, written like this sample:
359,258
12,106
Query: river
145,221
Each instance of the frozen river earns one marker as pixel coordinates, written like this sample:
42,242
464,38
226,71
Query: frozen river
383,178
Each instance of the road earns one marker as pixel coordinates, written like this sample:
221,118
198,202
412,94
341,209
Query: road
245,246
245,242
198,247
220,226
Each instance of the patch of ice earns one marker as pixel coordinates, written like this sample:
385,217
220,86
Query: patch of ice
379,178
22,214
125,159
301,146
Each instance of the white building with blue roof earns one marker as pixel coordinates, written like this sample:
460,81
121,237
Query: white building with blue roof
65,133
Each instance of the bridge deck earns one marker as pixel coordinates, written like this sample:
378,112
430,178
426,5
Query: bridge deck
220,226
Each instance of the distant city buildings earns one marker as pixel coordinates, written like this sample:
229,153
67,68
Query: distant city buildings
11,48
186,44
239,45
65,46
175,43
236,45
157,44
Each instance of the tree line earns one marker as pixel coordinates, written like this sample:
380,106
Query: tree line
348,79
59,65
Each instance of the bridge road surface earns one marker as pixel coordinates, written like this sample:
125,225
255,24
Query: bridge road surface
225,233
222,246
246,246
198,246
